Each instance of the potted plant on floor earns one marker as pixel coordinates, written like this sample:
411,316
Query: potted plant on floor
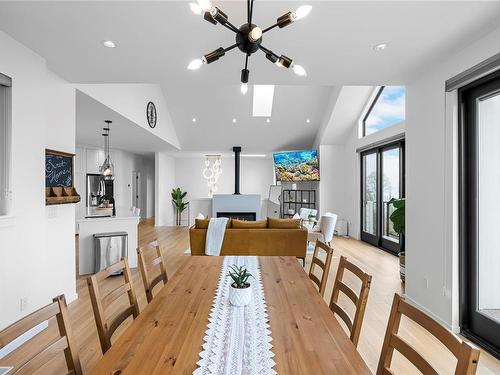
179,204
398,222
240,293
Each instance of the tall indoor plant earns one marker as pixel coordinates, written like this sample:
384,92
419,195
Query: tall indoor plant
398,222
178,201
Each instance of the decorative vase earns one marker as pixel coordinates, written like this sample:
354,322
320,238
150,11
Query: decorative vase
240,296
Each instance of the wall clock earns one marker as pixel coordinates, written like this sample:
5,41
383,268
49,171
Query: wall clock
151,114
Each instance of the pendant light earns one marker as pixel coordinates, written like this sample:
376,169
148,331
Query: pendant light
107,169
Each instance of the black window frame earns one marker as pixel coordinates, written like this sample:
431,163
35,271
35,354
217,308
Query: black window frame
467,198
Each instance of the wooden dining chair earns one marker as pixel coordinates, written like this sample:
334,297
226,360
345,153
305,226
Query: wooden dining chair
325,266
45,354
359,300
143,256
107,326
466,354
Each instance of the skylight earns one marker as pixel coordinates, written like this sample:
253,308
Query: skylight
263,100
387,109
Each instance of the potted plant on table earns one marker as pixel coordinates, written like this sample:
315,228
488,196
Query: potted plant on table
240,293
398,222
178,201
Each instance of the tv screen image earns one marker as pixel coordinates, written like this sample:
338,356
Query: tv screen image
297,166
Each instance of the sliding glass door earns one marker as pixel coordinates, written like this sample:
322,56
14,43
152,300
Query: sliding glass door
480,212
382,179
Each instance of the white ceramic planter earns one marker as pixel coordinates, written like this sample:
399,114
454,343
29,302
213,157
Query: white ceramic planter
240,297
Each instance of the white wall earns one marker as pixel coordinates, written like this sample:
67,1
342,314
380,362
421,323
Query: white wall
165,181
37,247
256,175
130,101
432,210
332,182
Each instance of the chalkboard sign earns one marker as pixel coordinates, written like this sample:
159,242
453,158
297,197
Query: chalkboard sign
58,169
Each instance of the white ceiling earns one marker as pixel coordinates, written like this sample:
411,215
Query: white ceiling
214,108
156,40
90,116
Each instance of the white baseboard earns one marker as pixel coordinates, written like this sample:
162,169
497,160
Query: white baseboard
453,328
71,298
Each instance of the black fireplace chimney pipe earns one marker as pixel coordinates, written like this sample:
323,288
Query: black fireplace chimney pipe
237,151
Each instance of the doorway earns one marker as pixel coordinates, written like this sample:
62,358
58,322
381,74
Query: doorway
382,179
480,211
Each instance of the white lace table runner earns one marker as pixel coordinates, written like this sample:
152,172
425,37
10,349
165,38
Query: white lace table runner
238,339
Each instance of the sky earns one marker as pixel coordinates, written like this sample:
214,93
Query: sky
388,110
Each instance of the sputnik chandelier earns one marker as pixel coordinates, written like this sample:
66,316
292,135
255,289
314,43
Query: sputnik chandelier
248,37
212,171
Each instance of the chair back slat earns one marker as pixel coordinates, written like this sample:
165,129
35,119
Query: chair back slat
340,312
22,326
109,271
107,326
47,352
453,344
112,296
148,282
413,356
43,356
354,324
348,292
467,355
325,266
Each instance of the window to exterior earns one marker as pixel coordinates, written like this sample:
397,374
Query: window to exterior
386,109
382,178
5,145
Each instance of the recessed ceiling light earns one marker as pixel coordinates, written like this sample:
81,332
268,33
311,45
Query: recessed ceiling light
194,119
308,121
268,120
108,43
234,120
380,47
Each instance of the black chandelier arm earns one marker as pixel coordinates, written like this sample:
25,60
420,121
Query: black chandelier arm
251,12
246,60
230,47
268,51
248,11
269,28
230,26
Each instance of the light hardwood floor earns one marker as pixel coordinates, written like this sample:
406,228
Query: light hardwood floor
382,266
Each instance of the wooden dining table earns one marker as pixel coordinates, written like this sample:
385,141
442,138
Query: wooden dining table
167,336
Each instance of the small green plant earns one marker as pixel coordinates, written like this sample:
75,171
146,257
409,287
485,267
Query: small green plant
398,215
178,201
240,276
311,217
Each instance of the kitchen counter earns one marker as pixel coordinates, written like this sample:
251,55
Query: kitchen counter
124,221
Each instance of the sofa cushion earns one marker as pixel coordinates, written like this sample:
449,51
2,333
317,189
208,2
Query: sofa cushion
203,223
244,224
273,223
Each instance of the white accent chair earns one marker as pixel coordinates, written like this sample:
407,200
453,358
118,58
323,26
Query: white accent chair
324,230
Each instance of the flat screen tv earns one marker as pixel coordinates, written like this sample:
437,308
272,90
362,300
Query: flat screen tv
297,166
